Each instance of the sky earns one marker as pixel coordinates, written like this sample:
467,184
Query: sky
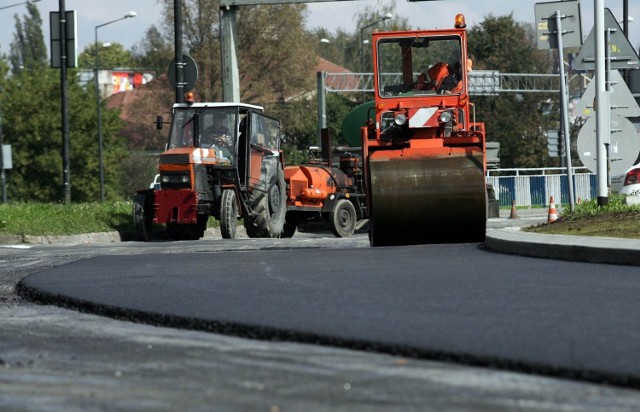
330,15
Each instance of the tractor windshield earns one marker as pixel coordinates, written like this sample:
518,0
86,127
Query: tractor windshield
208,127
413,66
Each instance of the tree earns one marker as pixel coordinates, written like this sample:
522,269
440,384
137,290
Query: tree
111,56
276,60
517,121
300,124
367,17
154,52
32,125
28,50
341,47
275,53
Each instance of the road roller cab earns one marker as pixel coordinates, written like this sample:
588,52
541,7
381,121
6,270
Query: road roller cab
424,154
221,160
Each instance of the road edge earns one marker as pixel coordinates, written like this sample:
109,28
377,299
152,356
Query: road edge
564,247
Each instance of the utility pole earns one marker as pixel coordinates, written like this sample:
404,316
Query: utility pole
66,166
177,21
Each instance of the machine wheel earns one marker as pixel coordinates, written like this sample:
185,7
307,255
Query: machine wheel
228,214
420,200
343,218
142,221
188,231
289,229
269,211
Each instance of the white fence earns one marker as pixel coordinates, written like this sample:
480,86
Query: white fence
534,187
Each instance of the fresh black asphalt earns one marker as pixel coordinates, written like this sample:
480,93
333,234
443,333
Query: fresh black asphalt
454,302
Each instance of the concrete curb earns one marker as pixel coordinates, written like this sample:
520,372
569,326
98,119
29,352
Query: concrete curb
562,247
101,237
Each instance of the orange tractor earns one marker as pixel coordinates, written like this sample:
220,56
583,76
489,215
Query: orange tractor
423,151
221,160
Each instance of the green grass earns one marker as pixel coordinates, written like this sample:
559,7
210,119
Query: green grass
48,219
615,219
39,219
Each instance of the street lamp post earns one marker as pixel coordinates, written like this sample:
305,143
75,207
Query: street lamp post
362,29
97,69
324,41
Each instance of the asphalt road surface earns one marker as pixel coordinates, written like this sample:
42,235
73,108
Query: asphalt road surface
435,301
57,359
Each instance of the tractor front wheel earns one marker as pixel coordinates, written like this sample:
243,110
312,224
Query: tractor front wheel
142,219
228,214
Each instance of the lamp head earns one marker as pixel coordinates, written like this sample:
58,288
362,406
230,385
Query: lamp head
130,14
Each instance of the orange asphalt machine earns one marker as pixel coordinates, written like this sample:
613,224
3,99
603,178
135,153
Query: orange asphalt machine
424,153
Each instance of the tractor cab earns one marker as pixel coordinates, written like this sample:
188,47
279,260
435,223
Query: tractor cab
207,127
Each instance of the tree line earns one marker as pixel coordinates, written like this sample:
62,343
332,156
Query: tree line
277,57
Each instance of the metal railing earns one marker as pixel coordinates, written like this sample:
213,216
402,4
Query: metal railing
481,82
534,187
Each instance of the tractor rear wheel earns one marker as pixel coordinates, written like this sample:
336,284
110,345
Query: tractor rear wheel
228,214
269,209
343,218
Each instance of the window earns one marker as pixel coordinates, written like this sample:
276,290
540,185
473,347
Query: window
413,66
265,132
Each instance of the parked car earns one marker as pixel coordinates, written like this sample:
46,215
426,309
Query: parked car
628,184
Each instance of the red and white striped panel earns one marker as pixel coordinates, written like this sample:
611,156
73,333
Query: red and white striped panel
424,117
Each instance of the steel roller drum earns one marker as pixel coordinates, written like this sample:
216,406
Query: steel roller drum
418,198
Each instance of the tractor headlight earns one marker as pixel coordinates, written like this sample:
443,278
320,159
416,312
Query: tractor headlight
175,180
445,117
400,119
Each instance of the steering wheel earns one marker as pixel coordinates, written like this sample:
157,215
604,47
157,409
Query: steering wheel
420,82
217,137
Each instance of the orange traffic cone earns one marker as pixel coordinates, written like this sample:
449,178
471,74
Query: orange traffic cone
514,213
553,213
